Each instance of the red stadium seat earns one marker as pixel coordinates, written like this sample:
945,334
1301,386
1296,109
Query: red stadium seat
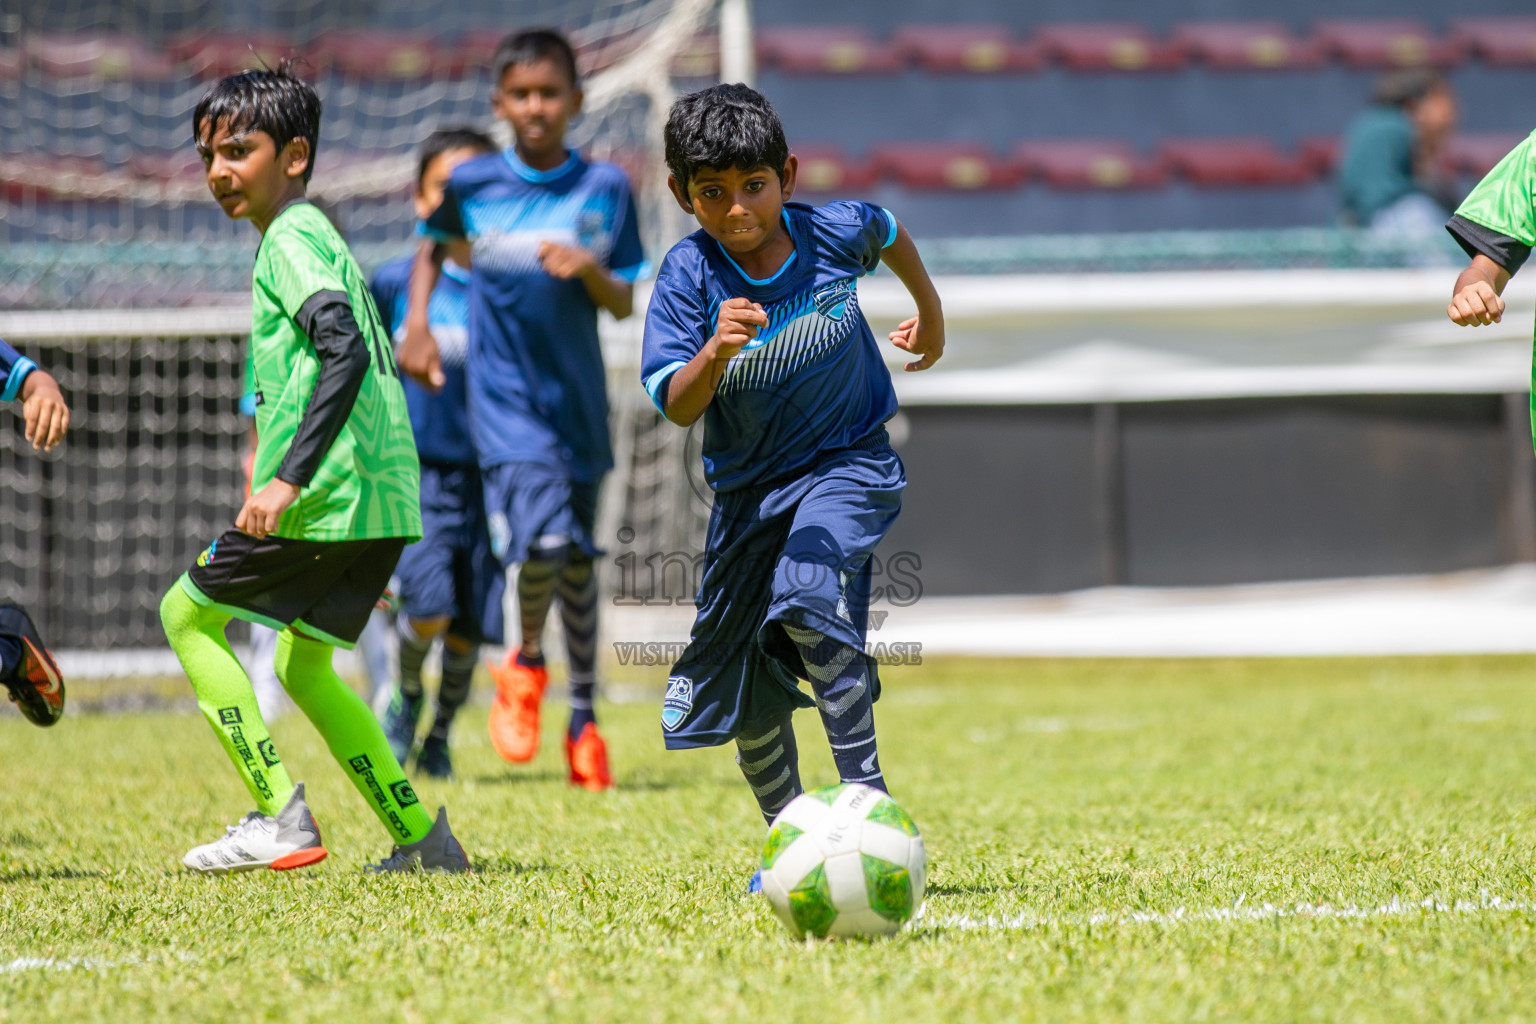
1386,43
1108,46
1321,152
1503,42
1235,161
824,49
965,49
961,166
408,56
1088,163
186,166
214,55
104,56
1475,153
12,62
37,176
1247,45
829,169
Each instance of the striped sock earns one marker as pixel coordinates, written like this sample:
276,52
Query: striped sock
453,692
769,759
578,614
840,683
413,652
535,592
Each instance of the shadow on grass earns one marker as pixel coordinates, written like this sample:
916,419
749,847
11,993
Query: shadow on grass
512,778
49,875
508,868
966,890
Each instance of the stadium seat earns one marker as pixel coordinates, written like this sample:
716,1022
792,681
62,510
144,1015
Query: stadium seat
12,63
1369,44
965,49
186,166
1234,161
1321,152
1088,163
1475,153
960,166
216,54
1108,46
30,177
409,56
1502,42
1246,45
830,49
829,169
104,56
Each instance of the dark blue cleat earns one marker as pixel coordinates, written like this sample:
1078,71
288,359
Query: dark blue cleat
400,724
433,760
755,883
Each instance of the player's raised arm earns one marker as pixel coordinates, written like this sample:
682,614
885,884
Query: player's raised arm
1477,298
923,334
692,387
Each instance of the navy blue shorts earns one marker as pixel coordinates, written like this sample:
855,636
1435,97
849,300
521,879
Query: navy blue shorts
796,552
536,507
451,572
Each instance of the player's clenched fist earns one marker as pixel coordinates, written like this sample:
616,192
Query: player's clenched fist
261,511
737,324
1476,303
566,261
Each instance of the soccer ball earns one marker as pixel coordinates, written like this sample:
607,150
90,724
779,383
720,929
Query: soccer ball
843,861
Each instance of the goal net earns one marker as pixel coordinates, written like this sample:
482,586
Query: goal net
103,205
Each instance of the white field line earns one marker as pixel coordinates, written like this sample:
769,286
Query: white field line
22,964
1241,912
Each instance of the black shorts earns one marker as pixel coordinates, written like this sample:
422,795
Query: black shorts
327,589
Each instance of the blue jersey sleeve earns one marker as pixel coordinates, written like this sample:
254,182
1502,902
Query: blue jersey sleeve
627,258
14,368
676,328
446,223
858,231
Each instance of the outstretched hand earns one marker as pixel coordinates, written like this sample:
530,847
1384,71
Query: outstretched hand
921,339
43,410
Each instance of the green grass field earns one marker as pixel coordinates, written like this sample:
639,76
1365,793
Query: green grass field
1108,841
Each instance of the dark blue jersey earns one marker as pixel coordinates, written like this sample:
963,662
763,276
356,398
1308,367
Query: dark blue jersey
14,368
537,390
440,421
813,380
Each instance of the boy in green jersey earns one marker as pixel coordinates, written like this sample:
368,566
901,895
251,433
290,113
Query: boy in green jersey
334,495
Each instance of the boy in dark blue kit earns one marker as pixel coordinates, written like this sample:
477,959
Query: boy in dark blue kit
549,238
755,325
448,583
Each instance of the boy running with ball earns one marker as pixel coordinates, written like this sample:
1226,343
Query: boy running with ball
550,239
27,671
448,583
755,326
333,502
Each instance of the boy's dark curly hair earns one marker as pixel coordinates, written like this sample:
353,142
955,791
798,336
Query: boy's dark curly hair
724,126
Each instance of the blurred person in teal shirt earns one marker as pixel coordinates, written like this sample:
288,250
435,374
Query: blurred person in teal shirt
1388,174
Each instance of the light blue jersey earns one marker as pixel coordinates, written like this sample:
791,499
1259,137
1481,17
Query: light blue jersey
14,368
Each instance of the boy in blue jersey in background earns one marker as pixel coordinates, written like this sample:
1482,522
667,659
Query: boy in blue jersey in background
550,239
28,672
449,584
754,325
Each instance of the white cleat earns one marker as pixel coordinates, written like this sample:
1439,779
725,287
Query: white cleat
290,840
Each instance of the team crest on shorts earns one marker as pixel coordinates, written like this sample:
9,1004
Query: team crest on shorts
208,553
678,702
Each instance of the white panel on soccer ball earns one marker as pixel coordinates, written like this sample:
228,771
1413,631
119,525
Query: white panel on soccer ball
806,813
778,897
918,866
845,877
858,799
839,833
797,860
862,922
889,844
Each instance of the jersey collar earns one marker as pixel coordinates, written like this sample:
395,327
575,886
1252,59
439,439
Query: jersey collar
453,270
540,177
783,268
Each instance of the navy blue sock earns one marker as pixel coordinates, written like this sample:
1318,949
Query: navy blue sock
578,616
10,655
840,683
769,759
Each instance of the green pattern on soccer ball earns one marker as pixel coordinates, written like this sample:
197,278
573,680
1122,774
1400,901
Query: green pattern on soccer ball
778,841
810,904
889,887
889,812
828,794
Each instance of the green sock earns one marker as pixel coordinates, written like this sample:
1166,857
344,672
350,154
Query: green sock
353,734
224,694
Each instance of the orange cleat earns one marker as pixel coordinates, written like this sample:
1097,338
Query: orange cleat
514,721
588,758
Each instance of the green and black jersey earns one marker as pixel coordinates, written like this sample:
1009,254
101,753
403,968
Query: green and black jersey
1498,220
330,411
